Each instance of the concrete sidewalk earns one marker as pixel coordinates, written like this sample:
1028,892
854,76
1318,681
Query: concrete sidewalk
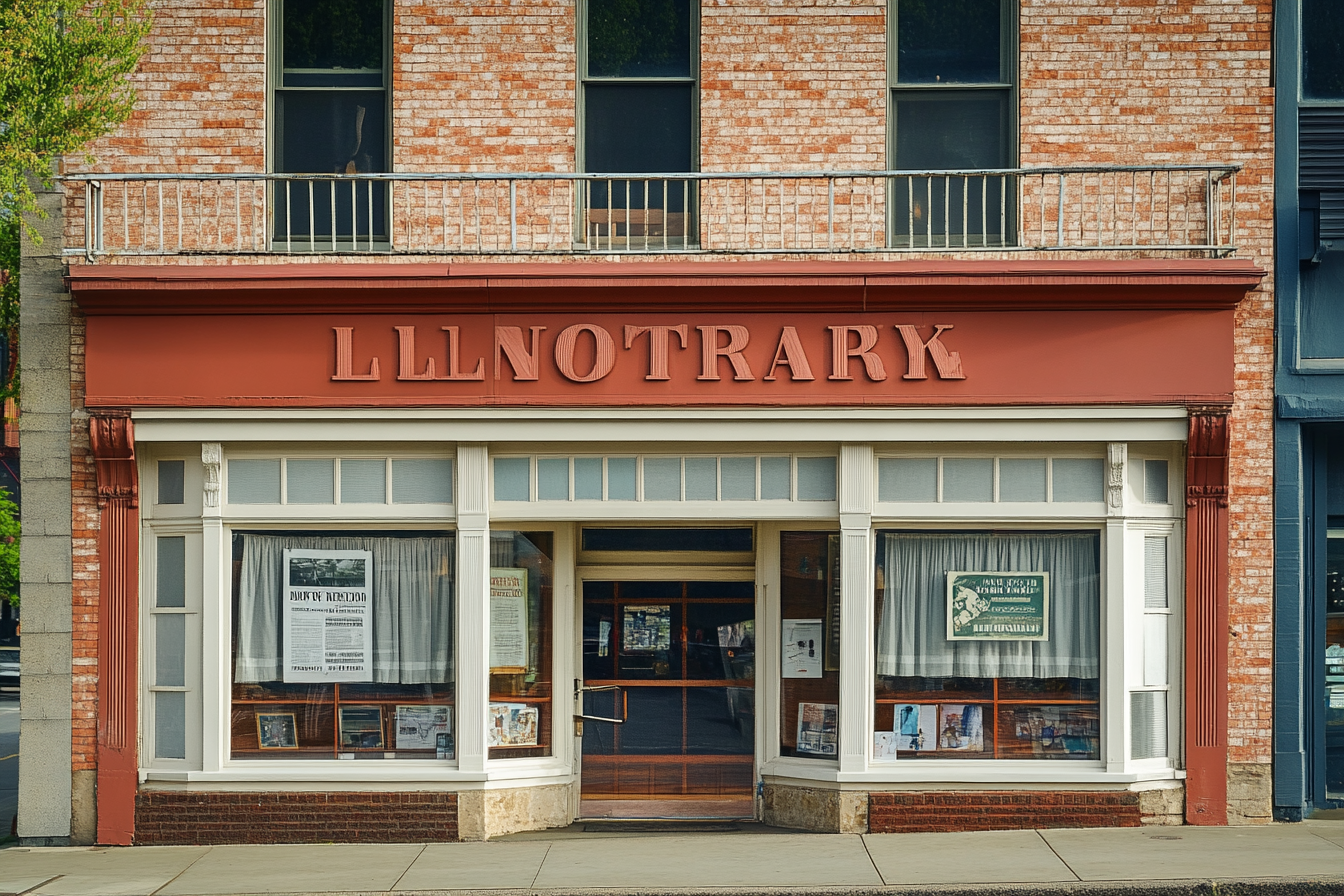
1306,858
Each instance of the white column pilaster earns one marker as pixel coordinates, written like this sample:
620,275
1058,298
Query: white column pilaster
473,599
1121,631
216,598
856,490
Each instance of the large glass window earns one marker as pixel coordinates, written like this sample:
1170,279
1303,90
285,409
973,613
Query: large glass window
809,595
951,109
1322,50
343,646
330,117
639,99
988,645
522,577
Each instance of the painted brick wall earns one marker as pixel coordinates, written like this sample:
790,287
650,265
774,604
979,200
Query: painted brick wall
798,85
904,812
84,519
164,817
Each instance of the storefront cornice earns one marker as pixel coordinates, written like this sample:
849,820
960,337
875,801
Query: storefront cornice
1005,285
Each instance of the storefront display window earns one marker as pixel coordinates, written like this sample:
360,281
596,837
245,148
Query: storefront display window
521,599
988,645
343,646
809,576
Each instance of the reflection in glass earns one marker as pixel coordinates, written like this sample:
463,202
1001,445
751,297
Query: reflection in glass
809,576
948,41
639,38
520,697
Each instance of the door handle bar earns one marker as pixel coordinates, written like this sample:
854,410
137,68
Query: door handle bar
580,689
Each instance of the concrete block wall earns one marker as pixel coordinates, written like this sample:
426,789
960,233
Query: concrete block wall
45,569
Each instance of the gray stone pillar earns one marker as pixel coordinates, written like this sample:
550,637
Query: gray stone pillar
45,780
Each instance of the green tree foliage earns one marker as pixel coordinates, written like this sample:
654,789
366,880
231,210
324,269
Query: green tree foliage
9,549
63,68
9,299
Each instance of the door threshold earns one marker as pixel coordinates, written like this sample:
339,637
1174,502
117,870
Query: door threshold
660,825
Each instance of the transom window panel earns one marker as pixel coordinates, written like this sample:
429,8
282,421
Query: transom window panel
343,646
986,480
350,480
988,645
631,478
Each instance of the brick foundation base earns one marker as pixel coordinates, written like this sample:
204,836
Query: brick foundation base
907,812
180,817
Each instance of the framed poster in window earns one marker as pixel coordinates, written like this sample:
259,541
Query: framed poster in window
998,606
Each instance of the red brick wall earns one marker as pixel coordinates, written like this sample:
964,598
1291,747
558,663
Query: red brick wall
1152,82
793,85
84,519
907,812
164,817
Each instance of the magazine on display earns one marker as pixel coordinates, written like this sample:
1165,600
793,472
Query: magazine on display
916,726
327,615
961,727
512,725
418,726
818,729
361,728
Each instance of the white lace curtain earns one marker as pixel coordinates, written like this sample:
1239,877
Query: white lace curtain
912,624
412,606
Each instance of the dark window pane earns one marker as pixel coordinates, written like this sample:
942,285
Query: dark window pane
666,540
1322,50
654,724
331,132
643,128
639,38
941,130
345,34
954,41
720,720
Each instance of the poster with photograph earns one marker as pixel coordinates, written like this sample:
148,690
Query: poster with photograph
916,726
801,648
1058,731
646,628
508,620
884,746
961,727
443,746
818,729
418,726
998,606
328,615
276,731
361,728
512,725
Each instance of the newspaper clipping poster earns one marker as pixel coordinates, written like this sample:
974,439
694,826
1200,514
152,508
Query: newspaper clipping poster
508,620
998,606
418,726
802,648
328,615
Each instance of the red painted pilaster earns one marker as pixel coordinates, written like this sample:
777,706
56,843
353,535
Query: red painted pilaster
1206,617
118,551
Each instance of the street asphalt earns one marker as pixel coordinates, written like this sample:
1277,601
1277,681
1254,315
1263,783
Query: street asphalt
1269,860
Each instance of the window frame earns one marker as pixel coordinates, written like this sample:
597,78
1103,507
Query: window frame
275,73
582,80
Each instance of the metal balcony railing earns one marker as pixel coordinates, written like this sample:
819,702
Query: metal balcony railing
1178,208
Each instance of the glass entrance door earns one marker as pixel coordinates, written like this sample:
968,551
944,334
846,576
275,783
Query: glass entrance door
676,661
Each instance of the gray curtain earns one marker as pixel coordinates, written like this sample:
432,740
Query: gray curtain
912,621
412,606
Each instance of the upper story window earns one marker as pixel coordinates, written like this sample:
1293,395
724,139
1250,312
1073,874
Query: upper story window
1322,50
639,75
951,74
330,110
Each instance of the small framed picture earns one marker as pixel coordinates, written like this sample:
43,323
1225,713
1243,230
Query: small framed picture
361,728
276,731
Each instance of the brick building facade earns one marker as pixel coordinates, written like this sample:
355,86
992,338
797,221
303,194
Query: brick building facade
1107,321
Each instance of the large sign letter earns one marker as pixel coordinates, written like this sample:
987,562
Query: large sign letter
711,351
345,363
790,353
523,359
841,353
604,352
947,363
659,337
